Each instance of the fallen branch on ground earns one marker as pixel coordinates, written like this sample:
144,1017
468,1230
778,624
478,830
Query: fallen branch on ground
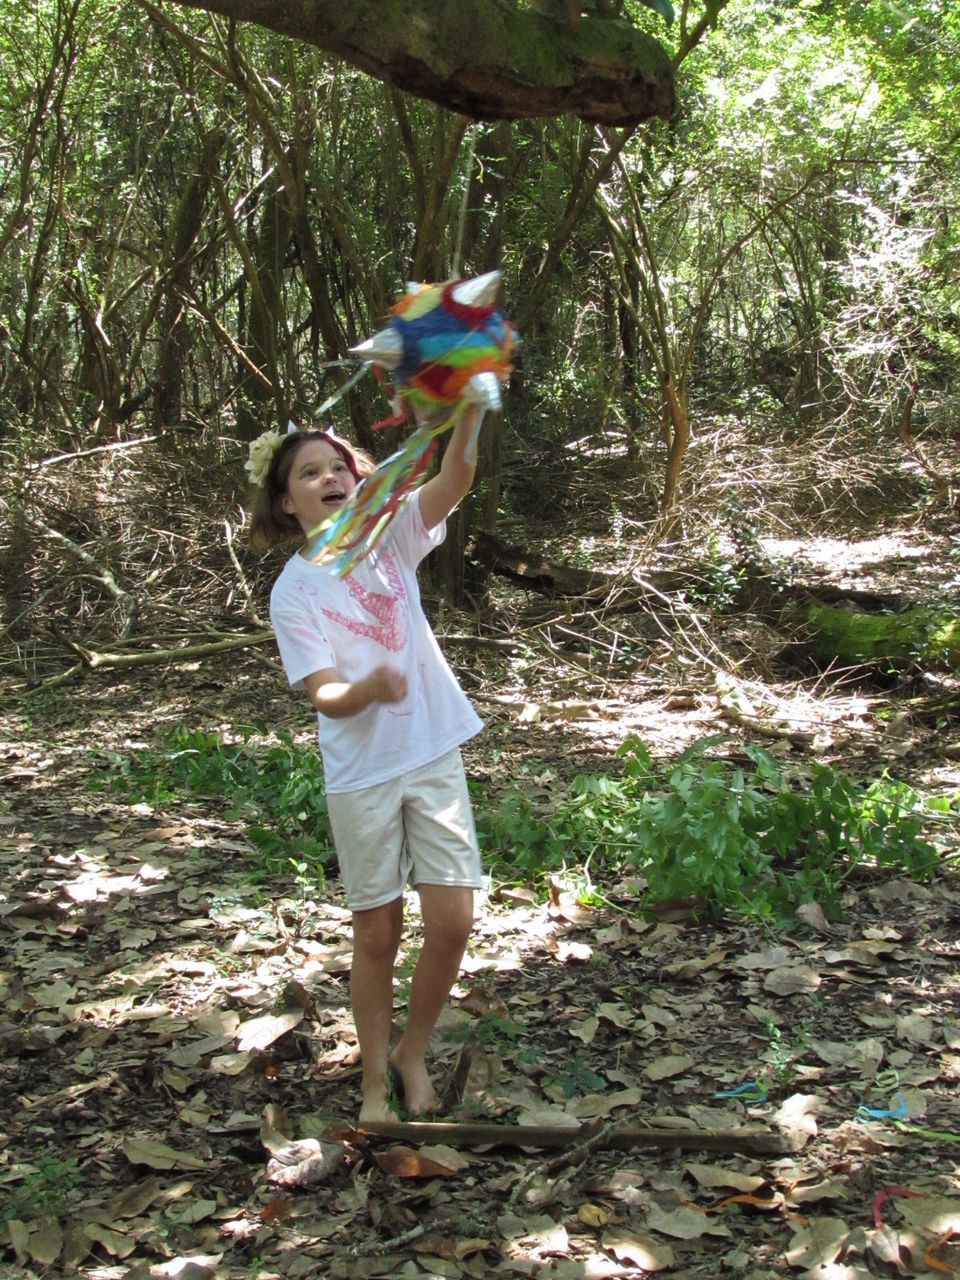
624,1138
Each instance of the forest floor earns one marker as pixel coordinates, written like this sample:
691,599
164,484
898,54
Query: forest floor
173,1026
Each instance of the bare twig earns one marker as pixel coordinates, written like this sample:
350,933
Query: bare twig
129,603
244,585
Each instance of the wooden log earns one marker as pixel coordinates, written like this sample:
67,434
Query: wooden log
754,1141
530,569
834,627
923,636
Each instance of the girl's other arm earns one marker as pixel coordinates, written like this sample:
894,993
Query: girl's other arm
452,482
338,698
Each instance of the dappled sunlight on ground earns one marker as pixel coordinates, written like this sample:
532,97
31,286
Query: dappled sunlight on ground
910,562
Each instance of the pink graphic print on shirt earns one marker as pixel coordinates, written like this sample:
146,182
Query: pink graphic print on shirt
391,616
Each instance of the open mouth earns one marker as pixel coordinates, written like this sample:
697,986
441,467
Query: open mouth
335,499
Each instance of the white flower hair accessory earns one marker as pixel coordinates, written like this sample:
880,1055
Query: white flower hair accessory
261,455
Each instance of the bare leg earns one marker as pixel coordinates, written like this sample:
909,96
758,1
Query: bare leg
376,938
447,919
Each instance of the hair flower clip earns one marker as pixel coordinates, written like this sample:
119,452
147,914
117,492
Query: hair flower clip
261,455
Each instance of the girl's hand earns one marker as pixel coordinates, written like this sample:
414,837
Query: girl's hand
335,698
386,684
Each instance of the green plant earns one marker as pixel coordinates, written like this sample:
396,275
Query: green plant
491,1030
46,1188
786,1049
574,1078
740,835
276,790
721,578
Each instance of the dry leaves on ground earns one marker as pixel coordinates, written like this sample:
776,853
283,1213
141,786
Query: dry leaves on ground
177,1058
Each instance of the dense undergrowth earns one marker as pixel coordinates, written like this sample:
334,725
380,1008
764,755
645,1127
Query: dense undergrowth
739,833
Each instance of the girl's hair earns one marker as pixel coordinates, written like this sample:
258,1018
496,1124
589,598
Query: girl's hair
270,525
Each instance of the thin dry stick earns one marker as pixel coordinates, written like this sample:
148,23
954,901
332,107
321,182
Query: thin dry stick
244,585
125,599
387,1246
568,1162
95,660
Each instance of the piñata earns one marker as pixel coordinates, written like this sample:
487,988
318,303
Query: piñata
446,346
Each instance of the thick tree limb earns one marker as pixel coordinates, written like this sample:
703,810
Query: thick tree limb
483,58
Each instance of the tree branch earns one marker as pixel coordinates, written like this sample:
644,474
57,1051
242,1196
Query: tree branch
482,58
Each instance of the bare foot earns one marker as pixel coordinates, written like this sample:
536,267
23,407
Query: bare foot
419,1096
377,1105
376,1111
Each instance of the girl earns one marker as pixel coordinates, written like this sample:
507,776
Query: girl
391,721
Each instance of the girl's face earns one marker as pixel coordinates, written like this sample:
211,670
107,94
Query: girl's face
318,484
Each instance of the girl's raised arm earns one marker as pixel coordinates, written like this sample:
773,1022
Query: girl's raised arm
452,482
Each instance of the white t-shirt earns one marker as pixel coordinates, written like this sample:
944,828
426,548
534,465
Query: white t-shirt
353,624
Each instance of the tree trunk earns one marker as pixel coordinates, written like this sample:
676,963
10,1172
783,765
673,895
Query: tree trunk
677,434
174,331
256,408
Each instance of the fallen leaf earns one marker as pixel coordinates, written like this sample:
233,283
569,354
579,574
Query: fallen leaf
231,1064
586,1030
817,1244
618,1014
260,1033
602,1104
539,1233
116,1244
936,1215
916,1029
659,1017
666,1067
46,1241
796,1119
547,1118
132,1201
638,1250
449,1156
770,958
684,1223
196,1210
576,952
404,1162
18,1238
157,1155
885,1246
796,980
864,1056
816,1192
713,1176
464,1248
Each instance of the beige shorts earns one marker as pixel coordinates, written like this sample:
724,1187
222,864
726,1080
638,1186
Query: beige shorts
416,829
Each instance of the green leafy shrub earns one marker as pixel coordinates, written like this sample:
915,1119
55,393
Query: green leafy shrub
276,790
45,1187
738,836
